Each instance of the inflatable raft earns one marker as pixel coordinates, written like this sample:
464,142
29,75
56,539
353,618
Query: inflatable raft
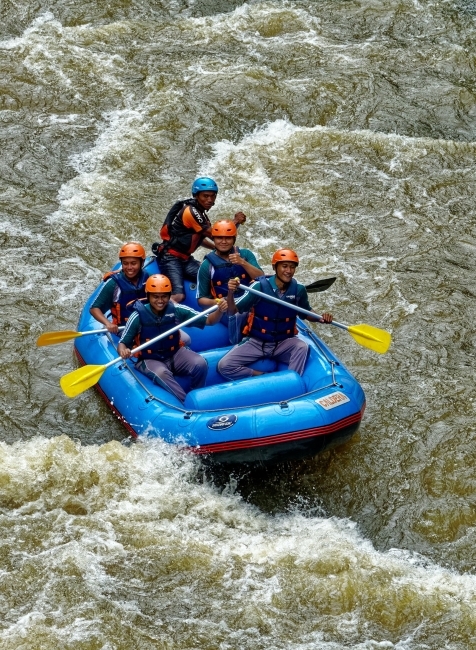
275,417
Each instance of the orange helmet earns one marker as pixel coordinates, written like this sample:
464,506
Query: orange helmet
285,255
224,228
158,284
132,249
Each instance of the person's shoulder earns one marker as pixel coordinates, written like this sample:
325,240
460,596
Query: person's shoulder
180,307
204,273
180,204
108,287
139,307
193,214
184,312
256,284
179,208
302,295
300,289
110,277
193,206
133,322
205,264
271,279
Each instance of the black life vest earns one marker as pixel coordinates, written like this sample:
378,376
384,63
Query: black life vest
269,321
178,239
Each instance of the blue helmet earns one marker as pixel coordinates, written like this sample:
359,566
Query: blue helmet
204,184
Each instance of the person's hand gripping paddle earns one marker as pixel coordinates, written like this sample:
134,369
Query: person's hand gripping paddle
79,380
366,335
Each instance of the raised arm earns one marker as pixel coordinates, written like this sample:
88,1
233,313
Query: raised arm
253,271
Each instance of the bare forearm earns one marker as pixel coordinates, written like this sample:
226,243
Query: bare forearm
230,302
215,317
207,243
206,302
99,316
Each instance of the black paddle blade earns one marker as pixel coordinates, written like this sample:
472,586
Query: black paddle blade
320,285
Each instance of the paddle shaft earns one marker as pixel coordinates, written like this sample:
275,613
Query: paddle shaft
99,331
306,312
164,334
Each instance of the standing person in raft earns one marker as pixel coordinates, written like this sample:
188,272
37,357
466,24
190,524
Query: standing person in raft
121,288
167,357
270,328
226,261
186,227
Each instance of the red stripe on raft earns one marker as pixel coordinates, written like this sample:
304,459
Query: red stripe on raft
108,402
291,436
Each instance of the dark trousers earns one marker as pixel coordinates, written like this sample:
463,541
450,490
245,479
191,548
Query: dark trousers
176,270
184,362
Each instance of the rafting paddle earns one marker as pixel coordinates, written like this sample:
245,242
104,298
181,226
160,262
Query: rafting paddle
52,338
320,285
83,378
369,337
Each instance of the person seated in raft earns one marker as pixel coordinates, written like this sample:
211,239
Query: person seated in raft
167,357
270,330
226,261
186,227
121,288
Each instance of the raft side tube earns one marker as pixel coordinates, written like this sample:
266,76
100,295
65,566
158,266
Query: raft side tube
252,391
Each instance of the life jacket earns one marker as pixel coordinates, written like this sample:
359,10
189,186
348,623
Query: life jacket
178,239
224,271
152,326
269,321
129,293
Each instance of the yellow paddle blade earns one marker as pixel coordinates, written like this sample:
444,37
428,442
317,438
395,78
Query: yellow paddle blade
51,338
81,379
371,337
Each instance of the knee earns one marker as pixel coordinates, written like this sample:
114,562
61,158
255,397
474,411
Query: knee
224,367
185,338
300,345
220,366
199,367
202,365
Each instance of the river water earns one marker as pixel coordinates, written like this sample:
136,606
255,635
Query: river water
342,128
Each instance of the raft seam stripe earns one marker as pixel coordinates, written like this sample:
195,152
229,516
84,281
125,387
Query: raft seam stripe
290,436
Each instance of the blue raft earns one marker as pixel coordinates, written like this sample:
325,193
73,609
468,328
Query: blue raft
274,417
